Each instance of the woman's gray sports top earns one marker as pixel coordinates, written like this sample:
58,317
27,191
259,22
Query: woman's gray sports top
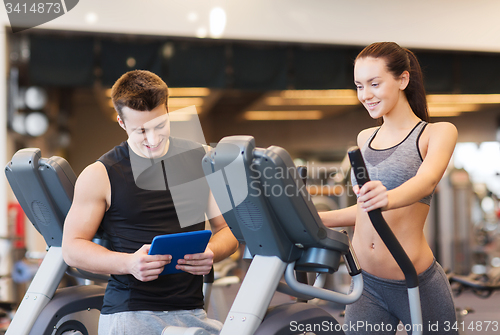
395,165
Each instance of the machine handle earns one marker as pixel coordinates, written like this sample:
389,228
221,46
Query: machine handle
392,243
322,293
382,228
351,260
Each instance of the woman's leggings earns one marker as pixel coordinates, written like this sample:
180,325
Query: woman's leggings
385,302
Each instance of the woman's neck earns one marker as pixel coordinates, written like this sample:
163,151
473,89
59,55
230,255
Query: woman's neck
401,117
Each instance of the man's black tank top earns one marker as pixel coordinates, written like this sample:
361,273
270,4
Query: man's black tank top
134,218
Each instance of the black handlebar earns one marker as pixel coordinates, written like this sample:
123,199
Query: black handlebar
378,221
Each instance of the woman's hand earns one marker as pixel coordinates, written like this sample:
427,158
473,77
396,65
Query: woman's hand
372,195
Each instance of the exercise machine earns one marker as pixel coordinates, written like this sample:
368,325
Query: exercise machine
483,286
282,234
392,243
267,208
44,189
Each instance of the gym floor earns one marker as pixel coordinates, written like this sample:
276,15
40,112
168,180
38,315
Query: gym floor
486,312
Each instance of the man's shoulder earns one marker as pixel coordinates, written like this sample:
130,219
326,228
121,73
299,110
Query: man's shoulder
115,155
94,174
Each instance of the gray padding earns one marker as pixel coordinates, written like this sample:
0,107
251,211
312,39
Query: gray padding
44,189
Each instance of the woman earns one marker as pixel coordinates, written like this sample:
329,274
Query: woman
406,157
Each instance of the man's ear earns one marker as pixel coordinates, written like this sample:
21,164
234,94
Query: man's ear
121,123
405,80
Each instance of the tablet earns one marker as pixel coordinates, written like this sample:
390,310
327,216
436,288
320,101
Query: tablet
179,245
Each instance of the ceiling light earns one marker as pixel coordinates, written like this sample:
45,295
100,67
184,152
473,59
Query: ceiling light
444,114
451,110
184,114
131,62
314,98
324,101
35,97
217,22
192,17
36,123
18,123
201,32
283,115
188,91
184,102
464,98
315,94
91,18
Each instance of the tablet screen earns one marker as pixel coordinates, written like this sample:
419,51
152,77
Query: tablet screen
179,245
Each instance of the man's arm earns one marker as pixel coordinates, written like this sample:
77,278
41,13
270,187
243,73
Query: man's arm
90,202
222,244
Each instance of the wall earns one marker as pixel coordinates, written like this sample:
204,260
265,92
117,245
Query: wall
93,131
444,24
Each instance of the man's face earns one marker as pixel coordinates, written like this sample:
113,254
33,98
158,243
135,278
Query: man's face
148,132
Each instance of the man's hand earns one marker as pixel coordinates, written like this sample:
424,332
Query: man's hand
197,264
146,267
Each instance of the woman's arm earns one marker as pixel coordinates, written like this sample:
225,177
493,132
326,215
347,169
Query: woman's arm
340,217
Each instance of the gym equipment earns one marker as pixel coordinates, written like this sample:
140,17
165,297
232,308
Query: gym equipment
282,234
392,243
44,189
483,286
267,208
215,298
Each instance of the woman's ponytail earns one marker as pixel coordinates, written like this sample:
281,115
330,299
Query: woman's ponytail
415,91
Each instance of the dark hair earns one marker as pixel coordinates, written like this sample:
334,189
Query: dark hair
398,60
139,90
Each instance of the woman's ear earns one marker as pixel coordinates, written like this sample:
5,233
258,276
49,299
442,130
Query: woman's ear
120,122
405,80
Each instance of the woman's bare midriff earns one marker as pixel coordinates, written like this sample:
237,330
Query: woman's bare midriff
407,224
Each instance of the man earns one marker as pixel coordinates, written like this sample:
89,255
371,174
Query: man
132,207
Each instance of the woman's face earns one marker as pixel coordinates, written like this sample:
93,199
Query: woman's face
377,88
